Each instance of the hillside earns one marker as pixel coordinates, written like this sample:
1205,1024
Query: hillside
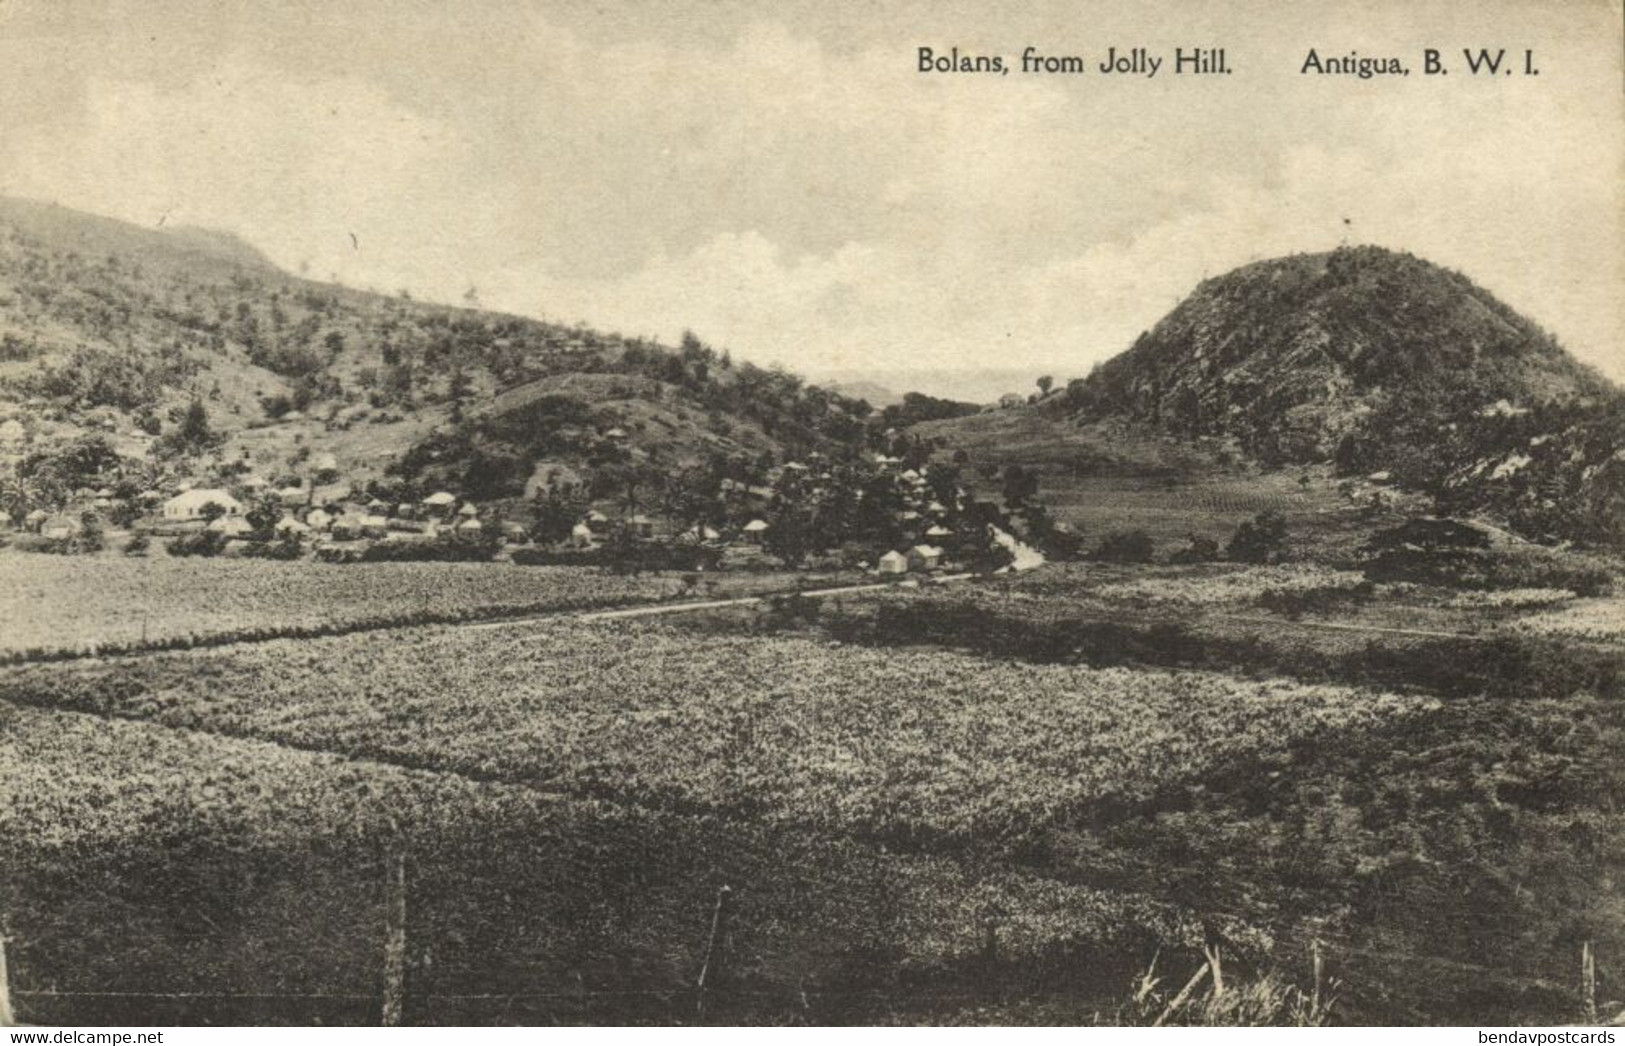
1375,363
110,328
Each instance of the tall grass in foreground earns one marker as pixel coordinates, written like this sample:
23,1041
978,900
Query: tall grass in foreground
1207,1000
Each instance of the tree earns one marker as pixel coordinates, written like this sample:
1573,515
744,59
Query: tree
1045,383
1261,539
790,536
91,537
194,435
263,518
1020,485
553,516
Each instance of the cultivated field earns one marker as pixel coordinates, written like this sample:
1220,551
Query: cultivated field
224,880
998,797
572,795
78,602
896,745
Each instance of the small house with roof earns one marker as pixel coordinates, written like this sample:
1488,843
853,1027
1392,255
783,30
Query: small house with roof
893,562
194,503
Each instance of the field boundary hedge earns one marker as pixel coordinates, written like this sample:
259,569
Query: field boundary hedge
1498,665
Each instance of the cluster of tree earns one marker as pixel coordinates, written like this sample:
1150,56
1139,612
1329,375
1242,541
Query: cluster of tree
917,407
92,377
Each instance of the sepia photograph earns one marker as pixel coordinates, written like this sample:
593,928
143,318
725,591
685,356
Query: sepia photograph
831,513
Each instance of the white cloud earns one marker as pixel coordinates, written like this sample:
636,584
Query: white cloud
807,197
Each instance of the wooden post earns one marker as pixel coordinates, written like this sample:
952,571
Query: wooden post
1184,993
394,937
8,1018
1314,951
711,969
1588,982
1212,952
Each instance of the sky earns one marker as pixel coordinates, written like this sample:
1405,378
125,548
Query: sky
783,181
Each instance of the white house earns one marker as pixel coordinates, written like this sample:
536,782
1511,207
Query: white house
892,563
581,536
190,505
924,557
440,499
754,530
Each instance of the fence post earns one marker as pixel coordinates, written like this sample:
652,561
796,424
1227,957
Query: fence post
1212,953
1184,993
8,1018
1314,951
711,969
394,937
1588,982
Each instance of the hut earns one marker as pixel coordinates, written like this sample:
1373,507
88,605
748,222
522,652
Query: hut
892,563
924,557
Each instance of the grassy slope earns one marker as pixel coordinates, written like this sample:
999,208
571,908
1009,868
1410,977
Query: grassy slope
1110,476
69,280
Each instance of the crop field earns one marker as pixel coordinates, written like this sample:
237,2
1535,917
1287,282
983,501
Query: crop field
904,746
1171,511
78,602
587,788
569,796
244,878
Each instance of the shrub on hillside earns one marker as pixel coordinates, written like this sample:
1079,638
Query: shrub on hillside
202,543
1261,539
1201,550
1493,569
1296,602
1126,546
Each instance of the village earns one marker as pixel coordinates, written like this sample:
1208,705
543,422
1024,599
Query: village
877,514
